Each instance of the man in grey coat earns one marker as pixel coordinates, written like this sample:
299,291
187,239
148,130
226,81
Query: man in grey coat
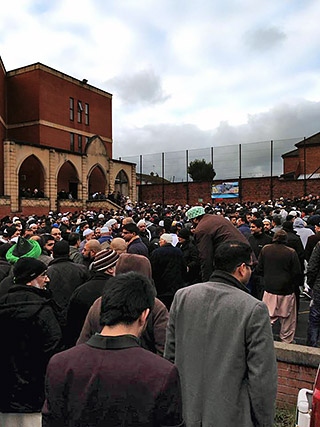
220,338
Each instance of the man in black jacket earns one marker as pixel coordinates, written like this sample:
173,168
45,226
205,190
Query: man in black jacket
65,276
190,255
257,240
102,269
30,334
169,269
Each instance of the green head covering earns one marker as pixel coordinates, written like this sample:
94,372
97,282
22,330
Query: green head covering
195,212
23,248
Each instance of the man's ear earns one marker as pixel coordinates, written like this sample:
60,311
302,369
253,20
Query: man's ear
144,316
111,270
239,271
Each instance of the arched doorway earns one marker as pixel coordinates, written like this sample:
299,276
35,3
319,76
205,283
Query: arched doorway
122,183
97,183
67,182
31,178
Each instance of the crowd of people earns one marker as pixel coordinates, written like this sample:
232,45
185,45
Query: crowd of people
153,315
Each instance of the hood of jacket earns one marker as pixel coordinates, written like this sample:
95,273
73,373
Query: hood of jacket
298,223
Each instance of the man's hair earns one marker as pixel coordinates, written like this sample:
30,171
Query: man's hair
277,219
132,228
46,237
125,298
229,255
73,238
257,222
280,237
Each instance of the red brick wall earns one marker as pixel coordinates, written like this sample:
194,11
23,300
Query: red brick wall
41,95
291,378
291,164
58,91
2,123
180,192
26,134
23,98
252,189
312,159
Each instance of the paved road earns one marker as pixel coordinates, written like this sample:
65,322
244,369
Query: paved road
301,331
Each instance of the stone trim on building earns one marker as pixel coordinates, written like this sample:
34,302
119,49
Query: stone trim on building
52,160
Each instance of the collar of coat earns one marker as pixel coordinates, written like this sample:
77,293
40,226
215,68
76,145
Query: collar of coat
64,258
113,343
228,279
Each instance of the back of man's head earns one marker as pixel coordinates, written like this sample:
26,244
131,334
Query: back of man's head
125,298
229,255
119,245
280,236
127,220
61,249
74,238
93,245
276,219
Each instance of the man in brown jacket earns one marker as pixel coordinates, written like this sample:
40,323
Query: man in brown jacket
210,231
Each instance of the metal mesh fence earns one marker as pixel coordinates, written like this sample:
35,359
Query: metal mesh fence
256,159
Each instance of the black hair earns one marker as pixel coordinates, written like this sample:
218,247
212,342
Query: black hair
280,237
290,217
133,228
173,229
243,218
46,237
229,255
277,219
125,298
73,238
257,222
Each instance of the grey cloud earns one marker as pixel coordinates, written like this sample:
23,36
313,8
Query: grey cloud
160,138
143,87
263,39
281,122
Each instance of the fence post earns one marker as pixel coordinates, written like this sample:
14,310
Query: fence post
140,170
271,169
304,167
187,165
162,173
240,173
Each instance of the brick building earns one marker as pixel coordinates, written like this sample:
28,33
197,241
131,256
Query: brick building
56,137
304,160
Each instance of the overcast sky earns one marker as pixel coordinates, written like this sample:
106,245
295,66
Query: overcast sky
183,74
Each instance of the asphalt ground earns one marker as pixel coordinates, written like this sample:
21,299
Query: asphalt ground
302,326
